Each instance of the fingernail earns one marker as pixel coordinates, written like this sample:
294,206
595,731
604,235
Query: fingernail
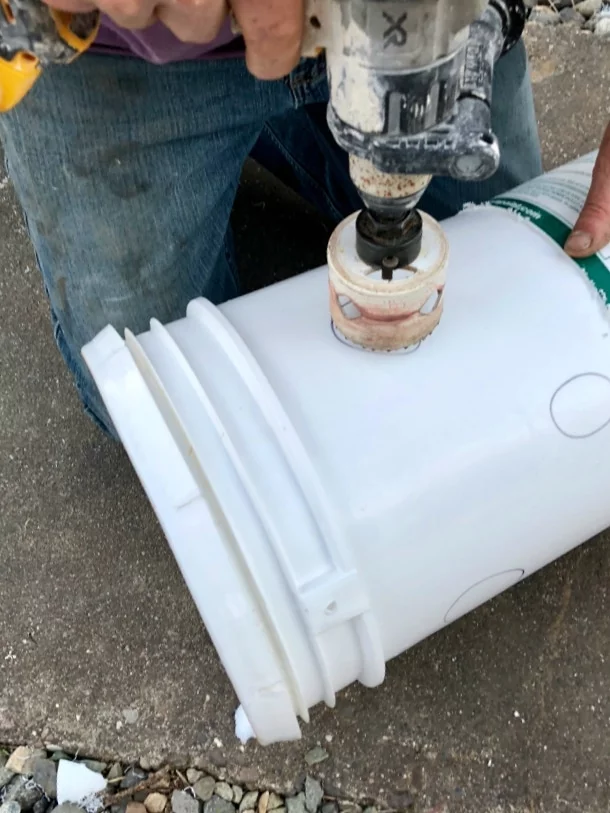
579,241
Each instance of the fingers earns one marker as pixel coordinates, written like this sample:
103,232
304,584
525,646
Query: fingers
189,20
273,31
193,20
73,6
126,13
592,229
132,14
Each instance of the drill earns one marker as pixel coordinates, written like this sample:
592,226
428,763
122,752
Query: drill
32,35
410,97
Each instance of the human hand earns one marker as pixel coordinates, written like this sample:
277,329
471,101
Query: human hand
272,29
592,229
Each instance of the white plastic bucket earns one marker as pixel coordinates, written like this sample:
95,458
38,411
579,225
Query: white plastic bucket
330,507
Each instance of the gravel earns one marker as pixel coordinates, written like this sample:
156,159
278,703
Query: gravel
249,802
68,807
94,765
22,758
204,788
155,802
22,790
5,776
588,8
224,790
183,802
602,28
33,788
132,778
44,773
218,805
275,802
193,775
296,804
42,805
571,15
263,802
10,807
115,771
590,15
316,755
313,794
135,807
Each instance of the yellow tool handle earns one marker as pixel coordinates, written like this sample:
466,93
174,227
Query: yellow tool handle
33,35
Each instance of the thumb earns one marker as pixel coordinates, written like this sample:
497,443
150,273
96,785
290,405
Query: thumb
592,229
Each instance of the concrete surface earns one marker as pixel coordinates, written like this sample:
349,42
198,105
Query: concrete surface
95,619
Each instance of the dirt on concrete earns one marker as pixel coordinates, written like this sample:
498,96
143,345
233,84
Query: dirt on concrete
101,648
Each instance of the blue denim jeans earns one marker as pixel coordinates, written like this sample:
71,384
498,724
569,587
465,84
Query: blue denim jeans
127,174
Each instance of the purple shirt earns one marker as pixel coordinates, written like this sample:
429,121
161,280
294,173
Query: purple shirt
158,45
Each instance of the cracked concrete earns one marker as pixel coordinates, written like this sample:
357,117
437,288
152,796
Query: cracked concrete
101,649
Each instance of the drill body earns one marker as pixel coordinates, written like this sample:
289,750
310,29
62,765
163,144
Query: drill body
33,35
410,97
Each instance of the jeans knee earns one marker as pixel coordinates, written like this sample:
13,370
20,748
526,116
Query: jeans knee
85,385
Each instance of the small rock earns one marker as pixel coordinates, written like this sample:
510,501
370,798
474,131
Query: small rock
135,807
146,764
544,16
44,773
193,775
249,802
602,29
218,805
10,807
95,765
183,802
56,756
588,8
155,803
131,716
330,807
263,802
41,806
115,772
68,807
204,788
21,789
18,760
275,802
238,794
316,755
5,776
349,807
132,778
570,15
296,804
224,790
313,794
370,810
